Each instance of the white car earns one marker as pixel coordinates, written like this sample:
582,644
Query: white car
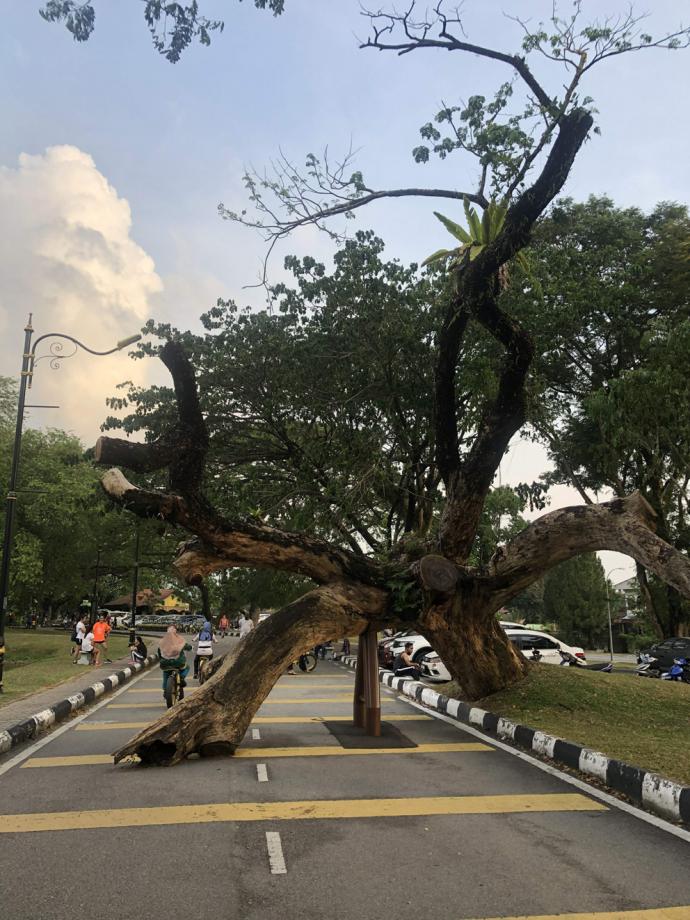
527,640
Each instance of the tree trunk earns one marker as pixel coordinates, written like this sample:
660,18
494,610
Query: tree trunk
214,720
473,647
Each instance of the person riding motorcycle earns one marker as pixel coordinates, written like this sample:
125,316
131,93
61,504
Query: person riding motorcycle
171,654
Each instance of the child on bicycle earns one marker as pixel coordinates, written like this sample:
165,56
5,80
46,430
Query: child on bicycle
171,653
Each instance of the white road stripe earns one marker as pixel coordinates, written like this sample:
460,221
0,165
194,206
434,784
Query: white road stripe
256,734
275,853
261,773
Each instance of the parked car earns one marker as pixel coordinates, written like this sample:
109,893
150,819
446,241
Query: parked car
420,646
667,651
526,640
434,669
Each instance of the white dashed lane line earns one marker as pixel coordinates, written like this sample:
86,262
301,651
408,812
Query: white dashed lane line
261,773
276,859
256,734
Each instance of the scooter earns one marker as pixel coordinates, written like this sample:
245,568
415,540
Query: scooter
679,670
570,661
648,667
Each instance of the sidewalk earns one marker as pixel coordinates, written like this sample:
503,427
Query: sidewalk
23,709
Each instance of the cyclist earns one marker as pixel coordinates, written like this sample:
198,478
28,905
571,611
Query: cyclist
171,653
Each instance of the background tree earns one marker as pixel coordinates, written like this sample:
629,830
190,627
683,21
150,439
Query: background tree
607,293
64,529
523,159
575,599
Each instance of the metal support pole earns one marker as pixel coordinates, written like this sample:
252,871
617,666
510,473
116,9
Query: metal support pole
94,596
135,591
359,705
372,694
11,500
608,607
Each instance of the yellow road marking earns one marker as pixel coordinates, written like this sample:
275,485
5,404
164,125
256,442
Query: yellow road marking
291,811
332,750
652,913
304,701
152,705
260,720
300,720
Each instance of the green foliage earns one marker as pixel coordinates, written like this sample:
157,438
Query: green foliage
62,522
498,140
608,304
575,598
173,26
501,520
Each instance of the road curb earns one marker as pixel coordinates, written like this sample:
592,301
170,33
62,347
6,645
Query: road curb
652,791
35,725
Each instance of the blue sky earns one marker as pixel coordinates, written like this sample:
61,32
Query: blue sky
171,141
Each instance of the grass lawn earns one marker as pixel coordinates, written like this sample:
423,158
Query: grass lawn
642,721
37,660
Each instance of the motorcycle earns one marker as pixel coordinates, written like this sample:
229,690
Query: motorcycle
648,667
679,670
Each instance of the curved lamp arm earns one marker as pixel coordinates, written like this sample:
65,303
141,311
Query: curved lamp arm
56,352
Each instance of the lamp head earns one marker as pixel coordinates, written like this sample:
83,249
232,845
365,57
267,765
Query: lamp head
130,340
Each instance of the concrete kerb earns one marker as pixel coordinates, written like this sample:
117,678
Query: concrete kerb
40,722
653,792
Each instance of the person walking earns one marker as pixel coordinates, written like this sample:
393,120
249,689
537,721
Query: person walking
78,634
100,638
87,646
204,646
223,626
246,626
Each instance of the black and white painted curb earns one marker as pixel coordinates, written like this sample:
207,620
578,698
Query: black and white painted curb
654,792
30,728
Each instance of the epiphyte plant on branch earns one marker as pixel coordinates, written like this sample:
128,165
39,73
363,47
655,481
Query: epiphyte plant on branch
455,597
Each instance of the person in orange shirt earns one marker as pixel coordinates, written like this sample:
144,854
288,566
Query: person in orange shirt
100,639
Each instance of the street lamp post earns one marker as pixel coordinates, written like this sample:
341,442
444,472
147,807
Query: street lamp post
29,360
608,607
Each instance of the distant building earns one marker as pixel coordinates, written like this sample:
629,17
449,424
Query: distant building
150,601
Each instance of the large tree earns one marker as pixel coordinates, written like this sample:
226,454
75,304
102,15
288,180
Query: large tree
523,161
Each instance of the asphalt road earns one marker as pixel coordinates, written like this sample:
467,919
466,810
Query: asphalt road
299,826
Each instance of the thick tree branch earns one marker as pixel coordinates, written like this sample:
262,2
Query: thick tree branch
183,450
625,525
417,37
222,544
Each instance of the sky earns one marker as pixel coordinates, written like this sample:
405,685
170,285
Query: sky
113,162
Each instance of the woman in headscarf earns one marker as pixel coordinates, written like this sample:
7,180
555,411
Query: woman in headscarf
171,653
204,646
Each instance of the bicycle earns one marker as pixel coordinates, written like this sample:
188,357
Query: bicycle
306,663
172,691
203,674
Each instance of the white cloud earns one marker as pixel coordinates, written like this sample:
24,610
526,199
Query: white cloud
68,257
